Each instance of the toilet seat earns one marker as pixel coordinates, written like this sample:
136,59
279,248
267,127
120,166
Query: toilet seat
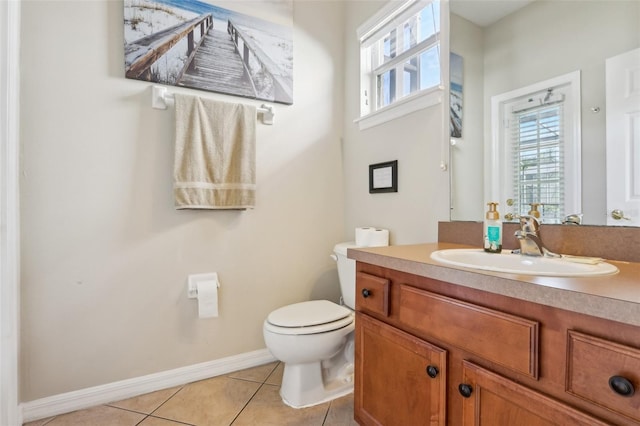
316,316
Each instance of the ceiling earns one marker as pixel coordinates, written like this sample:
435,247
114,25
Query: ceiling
485,12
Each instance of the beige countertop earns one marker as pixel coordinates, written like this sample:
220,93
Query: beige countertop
614,297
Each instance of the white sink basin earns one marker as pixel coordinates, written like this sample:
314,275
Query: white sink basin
519,264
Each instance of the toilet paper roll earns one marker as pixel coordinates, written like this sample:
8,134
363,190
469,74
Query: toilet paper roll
362,235
372,237
208,298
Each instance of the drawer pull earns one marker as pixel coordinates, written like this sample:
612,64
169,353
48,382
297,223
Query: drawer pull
465,390
621,385
432,371
366,292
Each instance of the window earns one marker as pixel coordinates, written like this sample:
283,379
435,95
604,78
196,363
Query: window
537,138
535,154
400,60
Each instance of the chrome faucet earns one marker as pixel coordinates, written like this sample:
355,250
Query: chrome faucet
529,238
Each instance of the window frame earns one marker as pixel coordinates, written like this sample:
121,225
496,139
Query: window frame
369,33
498,156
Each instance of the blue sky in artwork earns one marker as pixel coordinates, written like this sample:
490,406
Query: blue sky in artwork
223,14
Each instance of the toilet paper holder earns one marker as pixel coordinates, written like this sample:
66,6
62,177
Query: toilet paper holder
194,279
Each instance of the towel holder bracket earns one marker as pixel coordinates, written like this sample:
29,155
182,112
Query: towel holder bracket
267,113
160,99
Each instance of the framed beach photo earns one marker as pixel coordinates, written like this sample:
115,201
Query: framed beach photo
455,95
231,47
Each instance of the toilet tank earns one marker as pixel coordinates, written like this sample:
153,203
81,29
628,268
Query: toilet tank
346,273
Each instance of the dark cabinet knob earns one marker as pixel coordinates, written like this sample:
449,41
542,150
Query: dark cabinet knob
621,386
432,371
366,292
465,390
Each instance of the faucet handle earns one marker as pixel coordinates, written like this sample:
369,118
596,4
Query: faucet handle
511,216
572,219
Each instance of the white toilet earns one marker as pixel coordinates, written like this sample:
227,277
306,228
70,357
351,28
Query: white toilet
315,341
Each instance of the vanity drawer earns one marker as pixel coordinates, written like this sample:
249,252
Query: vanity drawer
504,339
593,363
372,293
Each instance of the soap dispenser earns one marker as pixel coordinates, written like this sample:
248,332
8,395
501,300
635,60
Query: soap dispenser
492,230
534,210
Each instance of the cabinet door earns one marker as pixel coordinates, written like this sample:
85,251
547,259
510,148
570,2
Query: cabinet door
491,400
400,379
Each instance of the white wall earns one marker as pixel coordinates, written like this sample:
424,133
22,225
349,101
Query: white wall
105,255
415,140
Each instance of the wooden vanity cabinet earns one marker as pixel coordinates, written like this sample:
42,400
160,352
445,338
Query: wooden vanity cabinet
434,353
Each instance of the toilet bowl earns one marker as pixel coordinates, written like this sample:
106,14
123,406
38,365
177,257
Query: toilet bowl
317,357
315,341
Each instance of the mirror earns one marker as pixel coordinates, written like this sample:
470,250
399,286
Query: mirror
534,41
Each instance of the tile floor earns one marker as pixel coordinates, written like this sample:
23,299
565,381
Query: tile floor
243,398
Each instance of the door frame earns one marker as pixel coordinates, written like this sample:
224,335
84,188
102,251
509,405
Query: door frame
496,156
9,211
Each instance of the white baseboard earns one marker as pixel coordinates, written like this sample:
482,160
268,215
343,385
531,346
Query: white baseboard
116,391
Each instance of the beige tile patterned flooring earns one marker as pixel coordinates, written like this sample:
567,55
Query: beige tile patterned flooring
243,398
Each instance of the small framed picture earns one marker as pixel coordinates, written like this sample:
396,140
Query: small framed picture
383,177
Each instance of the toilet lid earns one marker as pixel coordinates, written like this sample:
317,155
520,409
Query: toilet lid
308,314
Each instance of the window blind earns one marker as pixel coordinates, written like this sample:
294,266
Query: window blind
537,137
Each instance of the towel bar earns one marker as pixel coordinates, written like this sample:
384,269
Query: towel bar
160,99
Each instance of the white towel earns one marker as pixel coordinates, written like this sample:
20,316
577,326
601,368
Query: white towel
214,164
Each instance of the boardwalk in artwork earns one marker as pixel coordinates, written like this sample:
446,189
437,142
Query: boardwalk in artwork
218,67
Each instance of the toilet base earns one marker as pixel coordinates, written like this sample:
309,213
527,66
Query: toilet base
305,385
